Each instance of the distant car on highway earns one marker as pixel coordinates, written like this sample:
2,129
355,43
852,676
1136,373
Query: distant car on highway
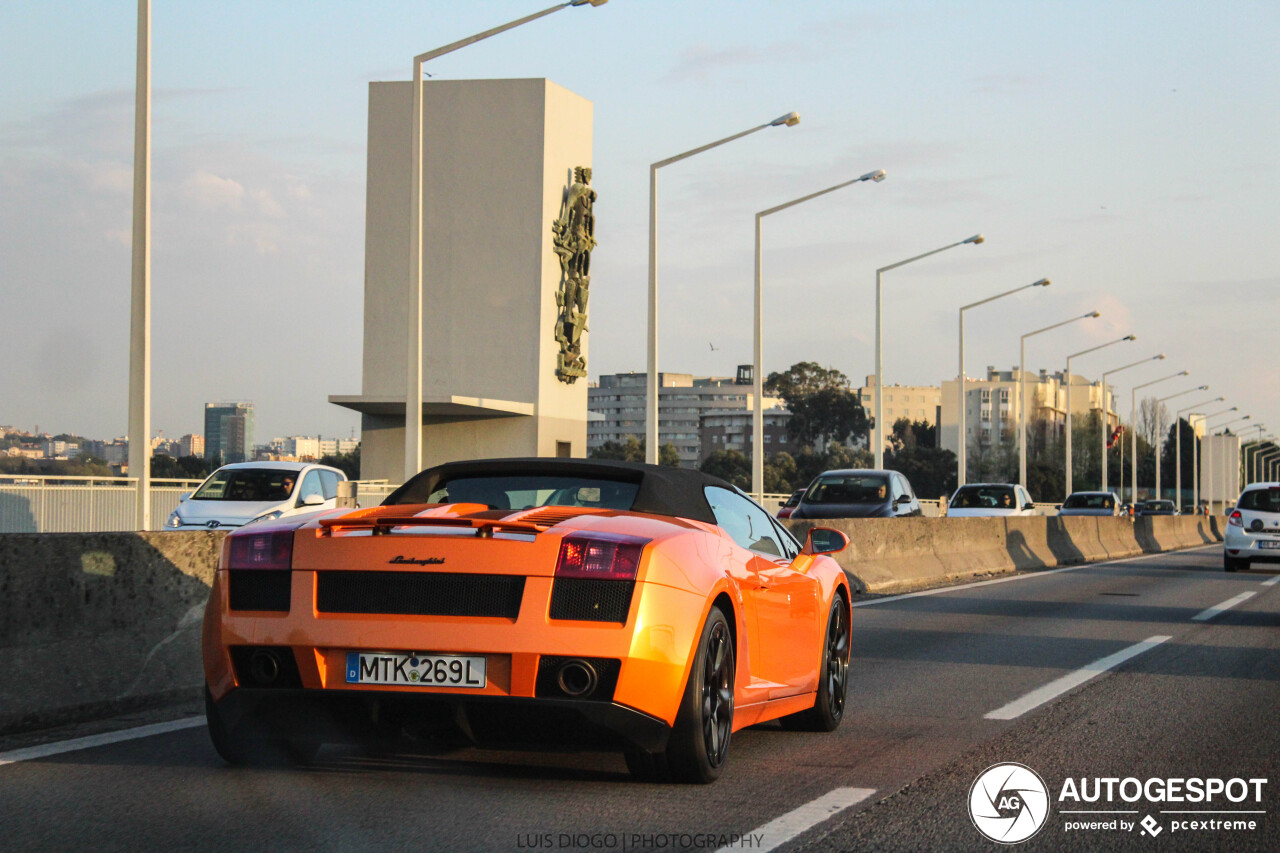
1156,508
1253,528
244,492
1091,503
976,500
789,505
858,493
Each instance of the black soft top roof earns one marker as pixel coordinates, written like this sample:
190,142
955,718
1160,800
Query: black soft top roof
664,490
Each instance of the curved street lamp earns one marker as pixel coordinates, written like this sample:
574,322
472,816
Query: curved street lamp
976,239
413,397
1133,422
1105,429
1160,438
1102,403
1022,381
1177,417
757,372
791,119
962,472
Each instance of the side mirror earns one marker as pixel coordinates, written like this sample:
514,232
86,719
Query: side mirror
1058,507
313,499
824,540
903,499
1028,506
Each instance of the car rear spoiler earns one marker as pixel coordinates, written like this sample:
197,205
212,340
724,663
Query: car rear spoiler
381,520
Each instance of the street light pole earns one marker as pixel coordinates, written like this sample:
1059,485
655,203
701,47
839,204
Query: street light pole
1105,430
651,380
757,417
1070,473
1022,381
1262,462
140,291
1160,437
1244,449
962,461
976,239
1178,419
413,395
1133,422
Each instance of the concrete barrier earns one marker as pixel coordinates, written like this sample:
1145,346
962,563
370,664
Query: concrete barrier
1116,535
887,555
97,623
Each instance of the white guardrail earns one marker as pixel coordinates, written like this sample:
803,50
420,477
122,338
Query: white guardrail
39,504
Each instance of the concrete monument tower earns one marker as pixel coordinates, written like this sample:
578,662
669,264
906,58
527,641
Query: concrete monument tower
508,228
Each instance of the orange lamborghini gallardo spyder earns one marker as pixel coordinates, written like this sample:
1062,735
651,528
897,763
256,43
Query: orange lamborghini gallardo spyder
546,603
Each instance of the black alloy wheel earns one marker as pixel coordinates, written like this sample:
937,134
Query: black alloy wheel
833,684
698,748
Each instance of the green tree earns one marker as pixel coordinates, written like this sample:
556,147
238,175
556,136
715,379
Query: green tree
632,450
347,463
823,407
729,465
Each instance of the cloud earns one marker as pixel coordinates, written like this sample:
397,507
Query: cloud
700,62
211,192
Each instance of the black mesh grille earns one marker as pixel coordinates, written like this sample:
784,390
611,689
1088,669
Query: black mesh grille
419,593
260,589
591,600
606,670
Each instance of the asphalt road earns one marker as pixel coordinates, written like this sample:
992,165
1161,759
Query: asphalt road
940,682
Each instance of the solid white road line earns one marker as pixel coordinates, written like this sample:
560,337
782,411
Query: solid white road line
1018,577
45,750
1226,605
1275,580
779,831
1057,687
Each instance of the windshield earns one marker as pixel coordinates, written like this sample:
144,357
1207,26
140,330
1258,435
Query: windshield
848,489
1087,501
1260,500
527,492
247,484
984,497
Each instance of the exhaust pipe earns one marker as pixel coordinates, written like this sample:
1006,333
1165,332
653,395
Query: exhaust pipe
264,667
577,678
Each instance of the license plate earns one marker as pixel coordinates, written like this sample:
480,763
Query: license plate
415,670
1269,544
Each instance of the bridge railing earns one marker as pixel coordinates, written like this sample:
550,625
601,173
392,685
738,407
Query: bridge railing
55,504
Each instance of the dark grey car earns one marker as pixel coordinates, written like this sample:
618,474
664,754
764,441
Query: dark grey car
858,493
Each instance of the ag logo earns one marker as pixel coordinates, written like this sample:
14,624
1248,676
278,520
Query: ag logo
1008,803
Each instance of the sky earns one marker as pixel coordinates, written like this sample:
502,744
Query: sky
1126,150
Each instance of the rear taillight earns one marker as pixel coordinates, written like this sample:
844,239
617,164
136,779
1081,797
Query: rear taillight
271,549
601,556
1236,518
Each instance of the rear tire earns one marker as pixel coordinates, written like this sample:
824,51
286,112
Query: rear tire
833,678
243,748
232,749
1234,564
698,748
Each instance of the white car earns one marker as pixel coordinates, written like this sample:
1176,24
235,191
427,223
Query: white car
236,495
1253,528
979,500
